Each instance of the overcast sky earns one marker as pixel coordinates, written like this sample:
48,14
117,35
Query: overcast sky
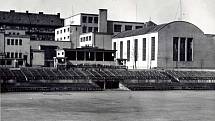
198,12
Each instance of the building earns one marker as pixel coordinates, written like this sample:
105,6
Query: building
176,44
96,24
14,48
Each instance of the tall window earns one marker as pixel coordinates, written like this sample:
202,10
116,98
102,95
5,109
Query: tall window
95,29
8,41
189,49
121,50
182,49
144,49
135,49
90,29
16,41
95,19
128,50
84,29
153,48
117,28
84,19
175,48
90,20
12,41
114,48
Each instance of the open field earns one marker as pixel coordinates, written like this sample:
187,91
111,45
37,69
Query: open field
109,106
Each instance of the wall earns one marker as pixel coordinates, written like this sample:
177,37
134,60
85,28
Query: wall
140,64
1,42
36,44
38,58
103,41
203,48
73,20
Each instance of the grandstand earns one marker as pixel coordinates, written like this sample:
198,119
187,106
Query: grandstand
96,79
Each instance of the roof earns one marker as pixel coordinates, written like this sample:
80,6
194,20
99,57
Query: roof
30,18
140,31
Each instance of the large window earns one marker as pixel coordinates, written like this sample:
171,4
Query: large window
189,49
121,49
182,49
153,48
84,19
95,19
84,29
90,19
138,27
144,49
128,27
12,41
16,41
175,48
135,49
8,41
117,28
128,50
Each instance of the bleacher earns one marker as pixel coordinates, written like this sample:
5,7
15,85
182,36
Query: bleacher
85,79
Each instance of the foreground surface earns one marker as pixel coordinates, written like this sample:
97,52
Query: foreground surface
109,106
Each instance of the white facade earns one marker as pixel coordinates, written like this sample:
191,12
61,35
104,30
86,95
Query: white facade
141,63
63,34
87,40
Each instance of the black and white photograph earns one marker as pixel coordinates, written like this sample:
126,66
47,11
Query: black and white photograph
107,60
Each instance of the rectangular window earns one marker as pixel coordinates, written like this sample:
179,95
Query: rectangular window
153,48
95,29
128,50
9,62
182,49
16,41
8,41
57,32
189,49
138,27
12,41
144,49
175,48
20,41
128,27
64,30
68,29
90,20
8,55
12,55
20,55
135,49
89,38
121,50
84,29
95,19
114,48
90,29
117,28
84,19
86,38
16,55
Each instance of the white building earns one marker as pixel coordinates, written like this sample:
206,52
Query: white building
173,45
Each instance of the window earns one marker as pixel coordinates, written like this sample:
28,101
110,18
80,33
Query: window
128,27
128,50
95,29
64,38
95,19
12,55
114,48
81,39
84,29
138,27
8,55
84,19
12,41
16,55
175,48
9,62
189,49
17,33
182,49
117,28
57,32
121,49
20,55
16,41
90,19
135,49
64,30
61,38
90,29
8,41
89,38
153,48
61,31
67,37
20,41
68,29
86,38
144,49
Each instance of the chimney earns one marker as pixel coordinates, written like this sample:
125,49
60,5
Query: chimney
58,14
26,11
102,20
12,11
40,12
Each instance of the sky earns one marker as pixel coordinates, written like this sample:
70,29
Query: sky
199,12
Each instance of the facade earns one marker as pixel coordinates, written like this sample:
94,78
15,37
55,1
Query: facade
15,48
173,45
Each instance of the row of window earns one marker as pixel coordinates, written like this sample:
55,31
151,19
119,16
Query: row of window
88,38
182,49
63,31
118,27
13,33
9,62
13,55
89,19
89,29
136,49
14,41
63,38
